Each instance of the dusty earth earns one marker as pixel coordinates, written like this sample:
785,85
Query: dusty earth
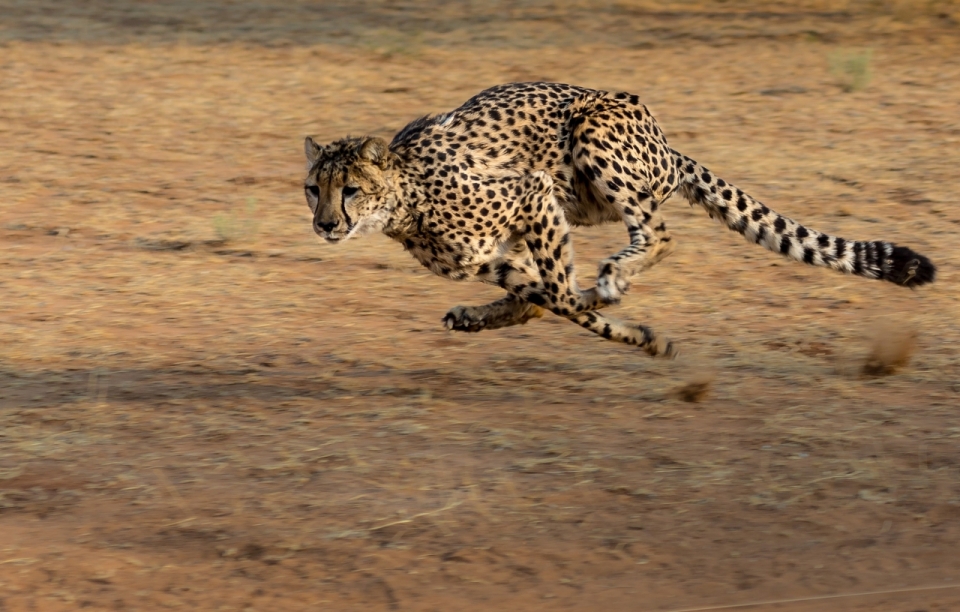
203,407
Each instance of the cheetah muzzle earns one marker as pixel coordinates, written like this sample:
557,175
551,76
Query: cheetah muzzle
491,190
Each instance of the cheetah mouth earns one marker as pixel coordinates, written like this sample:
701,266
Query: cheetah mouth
333,236
365,226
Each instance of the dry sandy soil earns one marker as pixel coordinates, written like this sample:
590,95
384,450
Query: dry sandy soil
203,407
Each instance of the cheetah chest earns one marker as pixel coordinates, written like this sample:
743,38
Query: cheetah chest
451,251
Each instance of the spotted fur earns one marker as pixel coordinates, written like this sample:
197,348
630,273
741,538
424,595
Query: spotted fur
491,190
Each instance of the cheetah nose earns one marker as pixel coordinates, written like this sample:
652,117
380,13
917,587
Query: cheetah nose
320,226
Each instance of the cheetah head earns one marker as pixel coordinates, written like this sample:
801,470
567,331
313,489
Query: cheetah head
347,187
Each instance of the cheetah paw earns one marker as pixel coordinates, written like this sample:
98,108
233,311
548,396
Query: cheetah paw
464,318
610,285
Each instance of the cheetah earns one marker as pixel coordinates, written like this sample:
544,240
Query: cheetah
491,190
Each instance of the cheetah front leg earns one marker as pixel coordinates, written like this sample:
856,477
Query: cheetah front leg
640,336
507,311
518,274
539,268
543,228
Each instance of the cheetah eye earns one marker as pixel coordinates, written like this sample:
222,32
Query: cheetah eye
349,190
314,190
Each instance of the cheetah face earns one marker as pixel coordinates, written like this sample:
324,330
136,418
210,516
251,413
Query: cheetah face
346,187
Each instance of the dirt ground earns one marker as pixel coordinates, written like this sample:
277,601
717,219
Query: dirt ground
203,407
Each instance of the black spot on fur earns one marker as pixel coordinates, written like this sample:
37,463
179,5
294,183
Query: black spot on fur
536,298
740,225
761,233
785,245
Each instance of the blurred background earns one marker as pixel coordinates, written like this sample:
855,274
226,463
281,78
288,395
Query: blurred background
201,406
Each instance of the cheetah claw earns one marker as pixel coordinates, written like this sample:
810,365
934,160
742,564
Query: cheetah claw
459,318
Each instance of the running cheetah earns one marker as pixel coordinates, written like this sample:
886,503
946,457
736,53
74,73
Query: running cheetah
490,191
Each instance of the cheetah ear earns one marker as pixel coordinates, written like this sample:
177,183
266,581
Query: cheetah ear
312,150
374,149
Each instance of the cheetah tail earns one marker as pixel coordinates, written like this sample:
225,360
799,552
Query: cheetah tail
758,224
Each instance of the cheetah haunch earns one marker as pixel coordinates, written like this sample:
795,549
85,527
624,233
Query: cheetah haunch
490,191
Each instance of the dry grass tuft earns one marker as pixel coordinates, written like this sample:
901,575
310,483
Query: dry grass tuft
695,389
891,350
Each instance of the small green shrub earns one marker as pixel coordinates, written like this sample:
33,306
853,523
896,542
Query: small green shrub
232,227
852,68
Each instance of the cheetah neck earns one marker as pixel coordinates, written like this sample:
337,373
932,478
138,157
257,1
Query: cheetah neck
404,203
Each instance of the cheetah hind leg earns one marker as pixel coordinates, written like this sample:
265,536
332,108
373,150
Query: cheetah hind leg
650,242
507,311
616,273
